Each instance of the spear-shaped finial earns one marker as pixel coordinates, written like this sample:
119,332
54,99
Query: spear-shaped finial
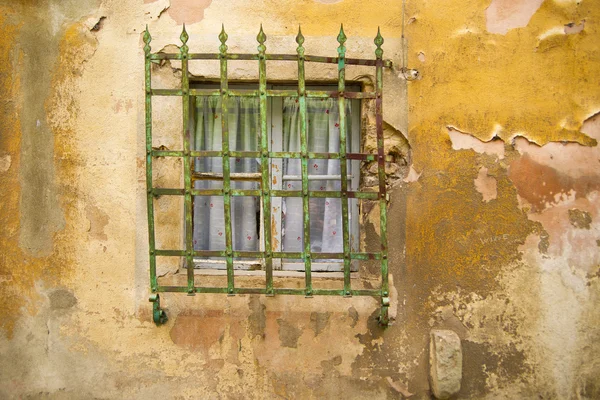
341,40
147,39
223,38
378,41
262,38
184,38
300,40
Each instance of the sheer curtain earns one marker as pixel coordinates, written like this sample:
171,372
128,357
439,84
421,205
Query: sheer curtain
209,221
323,135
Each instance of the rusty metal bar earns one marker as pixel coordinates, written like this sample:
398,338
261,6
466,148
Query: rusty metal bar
187,167
304,165
265,160
226,163
343,163
272,154
274,193
284,291
385,301
273,57
259,254
317,94
150,196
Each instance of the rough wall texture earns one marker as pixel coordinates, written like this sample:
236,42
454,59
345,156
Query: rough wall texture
494,231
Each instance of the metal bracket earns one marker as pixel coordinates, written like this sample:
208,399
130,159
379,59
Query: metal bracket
158,315
383,315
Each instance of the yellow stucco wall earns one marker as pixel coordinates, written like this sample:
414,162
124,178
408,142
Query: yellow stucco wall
493,233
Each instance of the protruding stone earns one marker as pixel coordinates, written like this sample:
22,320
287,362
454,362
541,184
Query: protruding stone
445,363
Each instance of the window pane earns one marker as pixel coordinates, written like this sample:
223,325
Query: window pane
243,128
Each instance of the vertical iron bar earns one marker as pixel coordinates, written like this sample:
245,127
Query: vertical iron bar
265,161
343,163
304,162
382,186
150,195
226,164
187,173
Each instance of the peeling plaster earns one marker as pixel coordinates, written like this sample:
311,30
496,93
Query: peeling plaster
413,175
5,162
504,15
573,28
486,185
154,10
188,11
465,141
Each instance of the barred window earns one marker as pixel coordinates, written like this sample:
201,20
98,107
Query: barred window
271,174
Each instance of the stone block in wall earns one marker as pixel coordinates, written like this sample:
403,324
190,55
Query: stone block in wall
445,363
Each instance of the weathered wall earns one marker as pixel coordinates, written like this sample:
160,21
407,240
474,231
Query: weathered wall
499,211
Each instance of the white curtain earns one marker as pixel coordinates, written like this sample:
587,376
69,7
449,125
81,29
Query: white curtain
323,135
209,222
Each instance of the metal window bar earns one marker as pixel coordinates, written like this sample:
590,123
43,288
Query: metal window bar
268,253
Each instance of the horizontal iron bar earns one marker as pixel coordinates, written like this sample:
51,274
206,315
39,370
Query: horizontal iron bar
272,57
166,92
302,292
272,154
274,193
323,156
224,262
260,255
325,194
255,176
314,177
320,94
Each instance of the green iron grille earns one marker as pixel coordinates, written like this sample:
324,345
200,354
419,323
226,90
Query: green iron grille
265,156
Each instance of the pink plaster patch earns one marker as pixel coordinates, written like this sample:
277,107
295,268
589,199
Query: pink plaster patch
486,185
465,141
188,11
504,15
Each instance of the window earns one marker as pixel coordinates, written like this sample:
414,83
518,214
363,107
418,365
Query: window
270,161
326,230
